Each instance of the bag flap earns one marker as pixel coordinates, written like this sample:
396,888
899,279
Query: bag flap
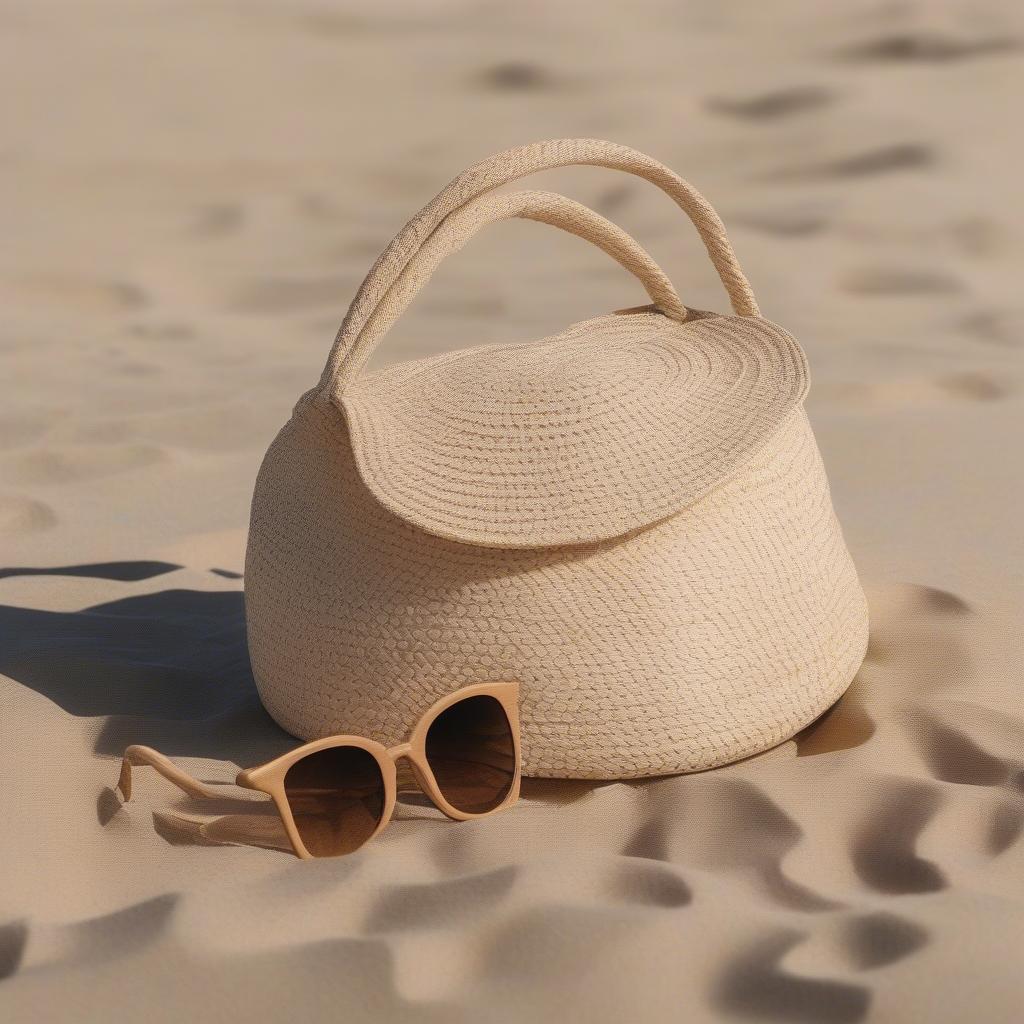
610,426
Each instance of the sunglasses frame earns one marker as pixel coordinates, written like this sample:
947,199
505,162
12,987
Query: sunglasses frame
269,777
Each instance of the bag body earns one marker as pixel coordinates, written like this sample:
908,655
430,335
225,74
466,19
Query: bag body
631,518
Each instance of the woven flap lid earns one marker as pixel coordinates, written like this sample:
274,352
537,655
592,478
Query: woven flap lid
607,427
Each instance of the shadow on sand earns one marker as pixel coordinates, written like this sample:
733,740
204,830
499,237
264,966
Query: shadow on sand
170,669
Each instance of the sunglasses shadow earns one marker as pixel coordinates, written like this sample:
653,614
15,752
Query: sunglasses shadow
262,830
241,822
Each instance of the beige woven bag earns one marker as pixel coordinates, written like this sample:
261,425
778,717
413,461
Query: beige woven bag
631,517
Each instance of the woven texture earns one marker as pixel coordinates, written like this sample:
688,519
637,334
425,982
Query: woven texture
705,638
631,518
616,423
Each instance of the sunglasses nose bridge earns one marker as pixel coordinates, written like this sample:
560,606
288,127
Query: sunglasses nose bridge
402,750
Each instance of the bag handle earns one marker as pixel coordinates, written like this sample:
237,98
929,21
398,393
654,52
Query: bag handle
461,225
516,163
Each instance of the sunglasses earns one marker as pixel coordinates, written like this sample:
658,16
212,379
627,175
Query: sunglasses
335,794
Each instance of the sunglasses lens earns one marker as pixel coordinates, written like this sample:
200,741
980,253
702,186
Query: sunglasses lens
337,799
471,751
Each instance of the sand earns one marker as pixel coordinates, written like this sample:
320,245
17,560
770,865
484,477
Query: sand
190,195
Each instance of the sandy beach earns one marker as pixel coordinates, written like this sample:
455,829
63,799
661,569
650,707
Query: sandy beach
190,195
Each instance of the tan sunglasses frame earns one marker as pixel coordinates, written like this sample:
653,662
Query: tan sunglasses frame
269,778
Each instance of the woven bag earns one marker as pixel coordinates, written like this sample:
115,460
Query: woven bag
631,517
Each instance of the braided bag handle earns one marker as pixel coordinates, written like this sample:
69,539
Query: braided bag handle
506,167
460,226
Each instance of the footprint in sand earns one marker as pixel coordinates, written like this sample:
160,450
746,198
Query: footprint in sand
900,156
995,326
919,640
884,851
920,637
759,984
795,222
13,939
517,76
545,943
916,392
770,106
81,294
24,515
650,885
729,824
877,940
755,986
80,462
288,295
18,430
614,198
899,281
972,746
926,48
438,904
952,755
163,331
210,428
1005,827
318,207
215,220
858,942
93,941
981,237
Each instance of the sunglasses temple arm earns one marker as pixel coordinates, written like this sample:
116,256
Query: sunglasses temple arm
139,755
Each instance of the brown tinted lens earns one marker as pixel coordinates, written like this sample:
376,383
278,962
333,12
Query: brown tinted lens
337,799
471,752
